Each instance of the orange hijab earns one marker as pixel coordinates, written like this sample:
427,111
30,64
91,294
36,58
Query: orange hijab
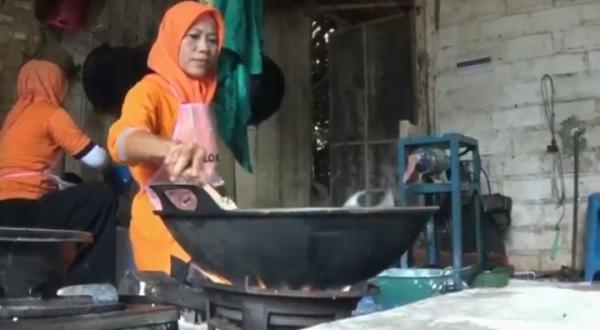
38,81
164,54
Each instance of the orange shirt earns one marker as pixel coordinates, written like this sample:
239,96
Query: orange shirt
33,144
150,107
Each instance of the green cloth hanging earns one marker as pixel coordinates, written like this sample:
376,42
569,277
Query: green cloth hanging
243,30
241,57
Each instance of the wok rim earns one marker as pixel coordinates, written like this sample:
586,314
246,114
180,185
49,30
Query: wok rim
42,235
296,212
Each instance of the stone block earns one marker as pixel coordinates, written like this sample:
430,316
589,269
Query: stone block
507,26
524,262
5,19
518,118
548,264
530,141
541,215
519,94
594,59
4,34
453,80
534,69
493,142
560,3
464,121
18,35
532,22
591,13
521,48
528,189
532,164
23,4
531,240
446,59
582,110
581,38
518,6
588,162
460,11
459,34
577,86
588,184
474,97
556,19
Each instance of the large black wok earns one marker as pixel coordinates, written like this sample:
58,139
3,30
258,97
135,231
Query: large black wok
320,248
34,261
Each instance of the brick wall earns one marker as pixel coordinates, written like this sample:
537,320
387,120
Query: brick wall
501,106
19,34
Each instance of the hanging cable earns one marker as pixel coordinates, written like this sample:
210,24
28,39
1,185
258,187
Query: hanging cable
558,179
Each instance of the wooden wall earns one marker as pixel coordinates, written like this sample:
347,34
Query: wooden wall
281,146
119,23
372,90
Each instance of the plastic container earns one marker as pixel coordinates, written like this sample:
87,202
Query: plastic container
592,244
119,178
398,286
495,278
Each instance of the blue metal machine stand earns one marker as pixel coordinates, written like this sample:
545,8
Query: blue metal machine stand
458,146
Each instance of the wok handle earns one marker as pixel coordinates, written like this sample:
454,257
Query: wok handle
204,201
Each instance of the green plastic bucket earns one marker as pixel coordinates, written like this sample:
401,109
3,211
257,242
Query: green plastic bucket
400,286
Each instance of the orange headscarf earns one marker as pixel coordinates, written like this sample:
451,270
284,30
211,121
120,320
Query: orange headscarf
38,81
164,55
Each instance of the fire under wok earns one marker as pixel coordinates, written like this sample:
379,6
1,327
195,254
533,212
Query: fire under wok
314,248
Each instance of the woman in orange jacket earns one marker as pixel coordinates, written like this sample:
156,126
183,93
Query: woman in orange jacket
166,129
34,136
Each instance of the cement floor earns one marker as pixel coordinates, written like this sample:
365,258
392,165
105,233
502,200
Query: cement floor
521,305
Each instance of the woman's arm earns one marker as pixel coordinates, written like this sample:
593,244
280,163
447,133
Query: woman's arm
132,138
141,146
180,159
65,132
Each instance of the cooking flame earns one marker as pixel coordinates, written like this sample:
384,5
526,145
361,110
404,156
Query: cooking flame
347,289
306,288
260,283
214,277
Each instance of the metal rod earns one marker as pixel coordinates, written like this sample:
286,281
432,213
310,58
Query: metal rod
456,201
575,200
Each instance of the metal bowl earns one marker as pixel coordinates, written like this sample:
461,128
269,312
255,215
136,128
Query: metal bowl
34,259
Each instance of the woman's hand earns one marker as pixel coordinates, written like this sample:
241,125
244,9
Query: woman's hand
184,160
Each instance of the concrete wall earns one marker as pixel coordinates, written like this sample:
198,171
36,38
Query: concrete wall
501,106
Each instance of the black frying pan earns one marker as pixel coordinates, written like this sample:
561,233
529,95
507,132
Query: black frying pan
322,248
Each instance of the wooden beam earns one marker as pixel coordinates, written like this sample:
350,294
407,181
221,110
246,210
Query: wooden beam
362,6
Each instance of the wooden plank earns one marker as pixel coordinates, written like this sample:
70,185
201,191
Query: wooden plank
245,183
295,115
423,23
267,165
226,167
389,75
347,172
347,85
348,113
